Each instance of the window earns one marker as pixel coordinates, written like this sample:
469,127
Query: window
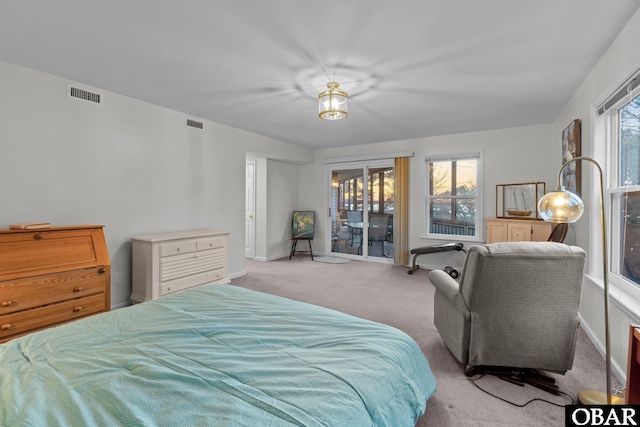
350,194
453,197
380,185
381,190
625,190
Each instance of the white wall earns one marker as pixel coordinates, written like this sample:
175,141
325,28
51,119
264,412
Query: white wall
282,198
509,156
277,197
619,61
131,166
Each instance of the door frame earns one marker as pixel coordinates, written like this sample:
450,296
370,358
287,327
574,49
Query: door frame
250,211
365,166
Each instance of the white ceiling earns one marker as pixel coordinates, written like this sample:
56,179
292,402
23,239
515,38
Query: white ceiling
413,68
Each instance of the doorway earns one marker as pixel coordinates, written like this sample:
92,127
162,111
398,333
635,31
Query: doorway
250,211
362,202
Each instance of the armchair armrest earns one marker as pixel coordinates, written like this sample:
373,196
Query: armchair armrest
450,289
445,284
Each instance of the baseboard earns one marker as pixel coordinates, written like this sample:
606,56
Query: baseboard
617,371
271,258
238,274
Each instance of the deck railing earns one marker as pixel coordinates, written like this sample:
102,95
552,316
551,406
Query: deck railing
458,228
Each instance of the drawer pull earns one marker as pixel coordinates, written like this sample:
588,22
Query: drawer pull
5,327
38,236
7,303
102,270
196,256
178,249
77,308
77,289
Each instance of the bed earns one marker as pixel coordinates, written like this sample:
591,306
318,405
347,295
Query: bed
215,355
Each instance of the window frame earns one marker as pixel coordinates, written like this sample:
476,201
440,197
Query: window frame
479,211
623,290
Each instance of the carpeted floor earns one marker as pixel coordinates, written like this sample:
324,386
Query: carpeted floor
387,294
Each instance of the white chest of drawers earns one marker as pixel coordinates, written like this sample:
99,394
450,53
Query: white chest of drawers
171,262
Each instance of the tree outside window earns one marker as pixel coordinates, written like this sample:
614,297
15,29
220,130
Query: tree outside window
629,176
452,197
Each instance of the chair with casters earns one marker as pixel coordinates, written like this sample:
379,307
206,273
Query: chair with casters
514,309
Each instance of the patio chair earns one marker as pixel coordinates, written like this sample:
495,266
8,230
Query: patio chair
379,230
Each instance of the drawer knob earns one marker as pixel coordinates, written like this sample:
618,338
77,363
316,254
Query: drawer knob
196,256
38,236
5,327
7,303
102,270
77,308
178,249
77,289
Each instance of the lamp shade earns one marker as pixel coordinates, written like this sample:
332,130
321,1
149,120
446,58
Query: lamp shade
560,206
333,103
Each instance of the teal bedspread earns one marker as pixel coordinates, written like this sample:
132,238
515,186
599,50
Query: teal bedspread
218,355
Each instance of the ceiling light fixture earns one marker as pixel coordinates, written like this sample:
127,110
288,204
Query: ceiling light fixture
333,103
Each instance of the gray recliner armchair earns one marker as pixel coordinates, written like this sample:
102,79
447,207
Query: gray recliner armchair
515,305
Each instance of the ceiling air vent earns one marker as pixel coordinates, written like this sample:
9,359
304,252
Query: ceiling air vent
194,124
84,95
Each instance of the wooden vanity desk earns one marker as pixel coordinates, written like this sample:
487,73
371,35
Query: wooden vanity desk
51,276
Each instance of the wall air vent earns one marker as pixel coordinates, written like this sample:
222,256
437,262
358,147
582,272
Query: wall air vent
194,124
84,95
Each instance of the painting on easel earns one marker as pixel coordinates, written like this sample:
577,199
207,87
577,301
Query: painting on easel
303,224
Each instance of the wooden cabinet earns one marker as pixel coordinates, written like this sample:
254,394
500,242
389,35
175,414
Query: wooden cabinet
171,262
51,276
513,230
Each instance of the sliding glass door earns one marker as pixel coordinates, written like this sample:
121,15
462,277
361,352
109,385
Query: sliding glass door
361,209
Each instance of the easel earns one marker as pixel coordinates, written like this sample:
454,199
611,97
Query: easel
295,243
302,228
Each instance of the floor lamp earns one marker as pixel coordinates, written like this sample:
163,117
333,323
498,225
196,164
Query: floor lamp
564,206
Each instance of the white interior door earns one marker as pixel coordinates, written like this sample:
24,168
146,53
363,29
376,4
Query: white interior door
250,212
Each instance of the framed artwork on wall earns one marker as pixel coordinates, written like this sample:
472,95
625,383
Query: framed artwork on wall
571,148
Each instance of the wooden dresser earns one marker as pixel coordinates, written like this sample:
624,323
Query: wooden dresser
51,276
171,262
517,230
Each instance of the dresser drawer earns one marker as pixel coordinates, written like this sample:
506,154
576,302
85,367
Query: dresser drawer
210,243
189,264
38,318
16,295
176,248
187,282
